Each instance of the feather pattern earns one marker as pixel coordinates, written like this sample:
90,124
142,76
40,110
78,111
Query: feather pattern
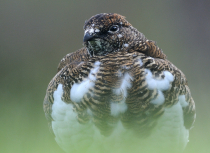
111,90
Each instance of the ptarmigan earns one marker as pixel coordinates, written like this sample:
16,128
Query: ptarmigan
118,94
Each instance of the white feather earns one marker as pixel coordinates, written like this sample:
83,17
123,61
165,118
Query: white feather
126,45
68,132
171,126
163,84
97,30
78,90
119,36
91,31
183,101
140,62
117,108
159,100
121,107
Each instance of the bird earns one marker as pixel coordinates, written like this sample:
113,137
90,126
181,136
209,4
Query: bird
119,93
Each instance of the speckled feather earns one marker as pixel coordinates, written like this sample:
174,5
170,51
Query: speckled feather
136,59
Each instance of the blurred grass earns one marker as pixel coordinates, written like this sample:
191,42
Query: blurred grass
35,35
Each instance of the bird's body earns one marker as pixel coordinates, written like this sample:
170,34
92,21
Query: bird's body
118,94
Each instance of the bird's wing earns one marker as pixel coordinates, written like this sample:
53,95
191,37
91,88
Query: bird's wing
76,57
69,63
178,91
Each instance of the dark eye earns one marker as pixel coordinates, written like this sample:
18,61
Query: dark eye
114,28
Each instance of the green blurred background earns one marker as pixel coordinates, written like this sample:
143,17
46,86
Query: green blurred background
36,34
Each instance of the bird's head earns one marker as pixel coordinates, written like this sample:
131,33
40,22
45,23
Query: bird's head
109,32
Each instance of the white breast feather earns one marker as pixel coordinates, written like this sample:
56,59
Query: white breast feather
160,85
78,90
163,84
183,101
159,100
68,132
121,107
171,126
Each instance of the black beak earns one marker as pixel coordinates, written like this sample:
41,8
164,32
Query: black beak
87,37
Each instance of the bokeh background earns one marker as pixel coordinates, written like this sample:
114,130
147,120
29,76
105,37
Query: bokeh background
36,34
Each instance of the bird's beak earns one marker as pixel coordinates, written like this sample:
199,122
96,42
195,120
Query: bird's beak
87,37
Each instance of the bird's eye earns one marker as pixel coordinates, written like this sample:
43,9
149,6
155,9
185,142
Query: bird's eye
114,28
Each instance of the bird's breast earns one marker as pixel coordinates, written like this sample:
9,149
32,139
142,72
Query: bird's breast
168,134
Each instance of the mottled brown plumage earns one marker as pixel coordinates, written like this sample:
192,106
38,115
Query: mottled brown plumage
122,51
